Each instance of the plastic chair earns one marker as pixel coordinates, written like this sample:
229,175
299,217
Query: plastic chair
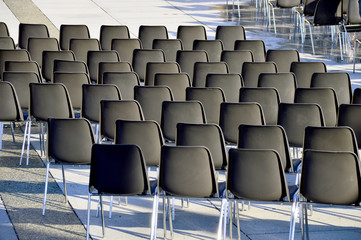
69,31
70,66
125,81
141,57
81,47
349,115
36,46
187,58
187,34
229,83
294,5
112,67
148,33
4,31
153,68
177,82
229,34
12,55
7,43
283,58
125,48
257,47
96,57
48,58
202,69
169,47
356,96
236,58
30,30
305,70
23,66
213,48
252,70
110,32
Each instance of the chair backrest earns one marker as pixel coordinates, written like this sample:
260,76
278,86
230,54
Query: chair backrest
125,48
187,58
30,30
330,177
148,33
228,82
257,47
125,81
12,55
213,48
69,140
328,12
194,177
36,46
174,112
112,67
229,34
305,70
4,31
202,69
7,43
118,169
356,96
285,83
10,109
177,82
69,31
110,32
324,97
143,56
288,3
268,98
190,33
236,58
256,174
208,135
81,47
146,134
350,115
23,66
73,83
266,137
169,47
48,58
309,7
235,114
92,95
339,81
295,117
96,57
252,70
151,99
50,100
283,58
153,68
211,99
353,12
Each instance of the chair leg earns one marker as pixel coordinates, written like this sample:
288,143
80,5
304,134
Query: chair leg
46,186
164,218
24,141
313,46
306,223
170,222
102,214
64,183
12,130
238,226
110,206
153,230
28,149
225,214
88,217
293,217
220,220
231,219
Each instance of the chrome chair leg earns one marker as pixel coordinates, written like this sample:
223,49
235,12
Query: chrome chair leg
24,141
88,217
46,186
64,183
102,214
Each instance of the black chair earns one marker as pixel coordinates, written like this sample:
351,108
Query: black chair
110,32
236,58
4,30
153,68
23,66
81,47
229,34
187,59
349,115
147,33
48,59
112,67
202,69
252,70
187,34
177,82
12,55
125,81
257,47
125,47
283,57
229,83
213,48
305,70
36,46
169,47
69,31
94,58
30,30
143,56
7,43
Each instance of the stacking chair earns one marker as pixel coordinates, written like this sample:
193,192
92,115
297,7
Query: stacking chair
349,115
81,47
125,48
96,57
12,55
148,33
294,5
113,110
234,114
125,81
48,58
211,99
70,66
236,58
169,47
112,67
305,70
7,43
177,82
4,30
69,143
257,47
229,34
213,48
69,31
356,96
151,99
174,112
187,34
252,70
283,58
36,46
116,169
285,83
187,58
23,66
339,81
143,56
153,68
229,83
30,30
47,100
202,69
110,32
268,98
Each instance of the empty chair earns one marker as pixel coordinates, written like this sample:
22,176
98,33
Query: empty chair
285,83
283,58
48,58
80,47
268,98
7,43
70,66
30,30
305,70
4,31
96,57
174,112
235,114
213,48
12,55
202,69
36,46
187,59
112,67
69,31
325,97
113,110
257,47
177,82
252,70
23,66
229,83
69,143
148,33
169,47
349,115
143,56
339,81
190,33
356,96
110,32
125,81
125,48
211,99
153,68
236,58
151,99
229,34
